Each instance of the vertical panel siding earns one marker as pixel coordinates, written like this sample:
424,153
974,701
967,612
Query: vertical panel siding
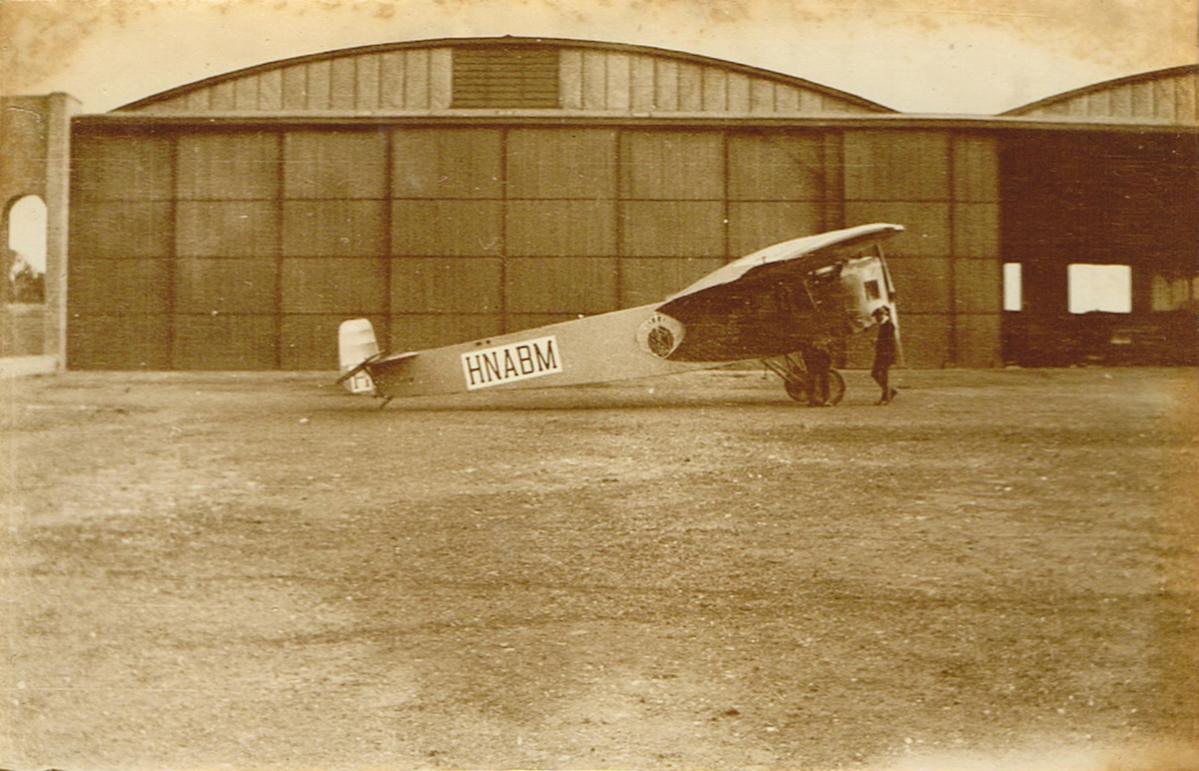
435,285
761,96
295,87
1099,104
343,86
666,85
270,90
672,228
223,95
198,100
1121,101
977,286
367,82
119,229
228,165
1185,97
336,286
672,165
738,93
245,93
786,98
450,228
391,72
309,341
122,167
644,281
346,164
921,283
561,163
691,87
896,165
122,286
642,79
334,228
927,231
1163,99
619,82
548,228
975,169
810,101
1142,99
226,229
715,90
978,340
419,79
143,342
416,79
595,80
441,78
757,224
320,79
976,230
446,163
570,78
776,166
207,286
413,331
561,285
205,342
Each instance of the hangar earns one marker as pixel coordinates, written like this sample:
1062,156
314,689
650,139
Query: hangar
458,188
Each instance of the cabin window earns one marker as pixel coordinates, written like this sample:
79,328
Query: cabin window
1103,288
1013,287
872,290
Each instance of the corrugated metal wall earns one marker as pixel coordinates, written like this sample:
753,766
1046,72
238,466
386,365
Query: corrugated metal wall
244,248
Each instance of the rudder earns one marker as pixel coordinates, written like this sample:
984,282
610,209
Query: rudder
356,343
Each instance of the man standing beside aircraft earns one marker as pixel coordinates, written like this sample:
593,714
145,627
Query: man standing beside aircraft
885,348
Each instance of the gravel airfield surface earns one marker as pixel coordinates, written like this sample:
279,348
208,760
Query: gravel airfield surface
258,571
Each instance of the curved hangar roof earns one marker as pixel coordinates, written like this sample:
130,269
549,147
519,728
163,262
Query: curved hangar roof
1161,96
506,73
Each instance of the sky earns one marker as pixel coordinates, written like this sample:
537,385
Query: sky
921,56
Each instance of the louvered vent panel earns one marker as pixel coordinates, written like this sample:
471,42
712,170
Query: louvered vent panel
505,77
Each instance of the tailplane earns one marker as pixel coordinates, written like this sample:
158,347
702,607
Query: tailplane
356,344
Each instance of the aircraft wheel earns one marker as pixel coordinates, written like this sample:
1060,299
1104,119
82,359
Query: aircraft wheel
797,389
836,387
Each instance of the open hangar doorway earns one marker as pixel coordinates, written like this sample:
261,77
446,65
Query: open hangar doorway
1100,234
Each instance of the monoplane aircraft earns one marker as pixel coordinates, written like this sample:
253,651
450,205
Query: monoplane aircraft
769,305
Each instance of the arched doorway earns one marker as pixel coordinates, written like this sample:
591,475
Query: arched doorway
24,278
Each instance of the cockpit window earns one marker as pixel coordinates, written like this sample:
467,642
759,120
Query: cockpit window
872,290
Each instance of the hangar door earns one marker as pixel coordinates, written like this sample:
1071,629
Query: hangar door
1104,230
244,247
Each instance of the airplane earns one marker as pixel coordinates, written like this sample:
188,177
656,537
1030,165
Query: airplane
769,305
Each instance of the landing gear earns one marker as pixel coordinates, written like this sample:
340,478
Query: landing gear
798,382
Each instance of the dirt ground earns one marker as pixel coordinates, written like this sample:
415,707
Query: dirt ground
258,571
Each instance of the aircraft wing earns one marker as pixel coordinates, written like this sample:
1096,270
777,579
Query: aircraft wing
807,253
771,301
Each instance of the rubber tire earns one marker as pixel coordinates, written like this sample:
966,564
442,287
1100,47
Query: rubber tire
836,387
797,389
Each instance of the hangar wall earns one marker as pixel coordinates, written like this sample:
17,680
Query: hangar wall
35,136
243,246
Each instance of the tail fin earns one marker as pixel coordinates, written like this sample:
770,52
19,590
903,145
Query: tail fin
355,344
